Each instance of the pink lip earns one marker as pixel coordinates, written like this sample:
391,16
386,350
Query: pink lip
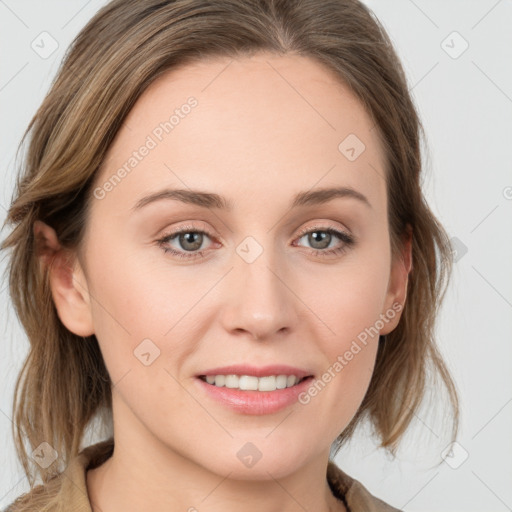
255,402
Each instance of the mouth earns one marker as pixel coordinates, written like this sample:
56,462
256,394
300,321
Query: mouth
254,390
265,383
249,394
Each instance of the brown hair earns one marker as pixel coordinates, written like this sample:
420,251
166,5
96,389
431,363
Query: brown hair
64,383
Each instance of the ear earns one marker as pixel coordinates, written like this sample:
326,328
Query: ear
397,287
67,280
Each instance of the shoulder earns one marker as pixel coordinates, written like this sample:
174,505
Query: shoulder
356,497
68,488
40,498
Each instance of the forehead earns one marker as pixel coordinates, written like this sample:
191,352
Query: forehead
257,125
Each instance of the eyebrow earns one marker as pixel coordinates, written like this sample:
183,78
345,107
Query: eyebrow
215,201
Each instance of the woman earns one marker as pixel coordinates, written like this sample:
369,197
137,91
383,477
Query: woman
221,245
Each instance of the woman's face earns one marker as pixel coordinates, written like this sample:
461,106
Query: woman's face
245,290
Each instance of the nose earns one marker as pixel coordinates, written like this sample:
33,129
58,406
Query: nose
260,303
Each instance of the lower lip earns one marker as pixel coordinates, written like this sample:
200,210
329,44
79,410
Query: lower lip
255,402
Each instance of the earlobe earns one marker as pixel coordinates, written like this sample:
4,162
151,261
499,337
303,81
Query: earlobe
67,280
398,281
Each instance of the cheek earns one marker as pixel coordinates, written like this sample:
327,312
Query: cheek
350,305
122,304
351,311
137,298
350,298
128,293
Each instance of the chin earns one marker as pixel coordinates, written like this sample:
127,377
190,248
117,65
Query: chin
259,460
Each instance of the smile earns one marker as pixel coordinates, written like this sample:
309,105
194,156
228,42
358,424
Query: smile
252,383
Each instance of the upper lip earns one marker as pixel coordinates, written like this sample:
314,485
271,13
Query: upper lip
258,371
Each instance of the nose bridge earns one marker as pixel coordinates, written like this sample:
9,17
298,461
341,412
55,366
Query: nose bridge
260,302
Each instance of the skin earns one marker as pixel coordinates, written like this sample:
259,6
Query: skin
257,141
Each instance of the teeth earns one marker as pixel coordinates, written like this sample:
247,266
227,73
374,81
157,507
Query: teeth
251,383
248,383
231,381
267,383
281,381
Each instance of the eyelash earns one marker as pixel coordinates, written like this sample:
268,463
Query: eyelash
347,239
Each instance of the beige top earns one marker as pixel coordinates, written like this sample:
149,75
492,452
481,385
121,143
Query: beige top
68,491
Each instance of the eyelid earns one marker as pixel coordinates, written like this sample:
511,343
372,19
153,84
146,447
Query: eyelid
189,227
322,226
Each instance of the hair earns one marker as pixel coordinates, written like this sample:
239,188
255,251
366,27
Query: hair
64,384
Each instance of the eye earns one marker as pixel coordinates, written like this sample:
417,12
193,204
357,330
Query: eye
320,239
189,240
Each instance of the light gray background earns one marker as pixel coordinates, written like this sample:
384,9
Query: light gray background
465,102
